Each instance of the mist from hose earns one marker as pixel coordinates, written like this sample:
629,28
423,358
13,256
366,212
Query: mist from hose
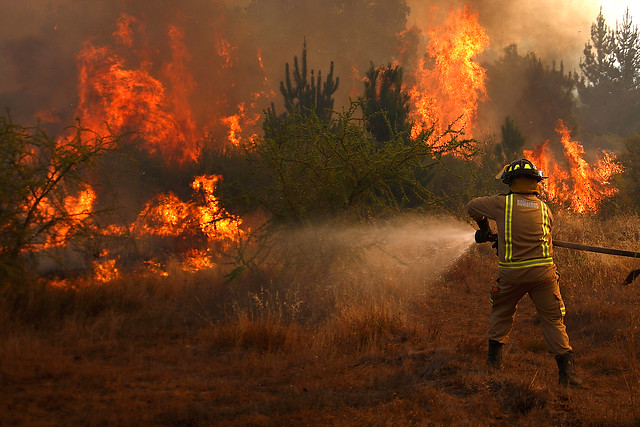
407,252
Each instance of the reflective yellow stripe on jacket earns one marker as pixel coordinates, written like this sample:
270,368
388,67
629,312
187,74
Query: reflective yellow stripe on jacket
546,230
528,263
508,239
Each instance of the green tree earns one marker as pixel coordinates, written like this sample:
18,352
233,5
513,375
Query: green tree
627,52
307,93
510,146
535,95
38,174
628,182
548,96
385,105
598,64
610,86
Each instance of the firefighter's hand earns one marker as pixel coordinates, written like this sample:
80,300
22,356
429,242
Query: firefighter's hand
483,235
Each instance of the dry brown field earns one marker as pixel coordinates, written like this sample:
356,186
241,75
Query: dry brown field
327,332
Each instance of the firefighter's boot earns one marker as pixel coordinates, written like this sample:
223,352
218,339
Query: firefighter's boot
494,358
566,371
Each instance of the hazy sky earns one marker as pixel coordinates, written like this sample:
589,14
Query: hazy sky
614,9
39,39
554,30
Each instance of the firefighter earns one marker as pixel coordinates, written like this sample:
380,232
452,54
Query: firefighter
525,265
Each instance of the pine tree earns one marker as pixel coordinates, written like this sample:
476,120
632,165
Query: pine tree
308,94
512,142
598,64
627,52
533,94
385,105
610,85
546,97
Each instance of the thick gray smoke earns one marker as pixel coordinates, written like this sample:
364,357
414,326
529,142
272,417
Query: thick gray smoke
40,39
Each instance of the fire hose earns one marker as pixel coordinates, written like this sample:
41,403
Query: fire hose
482,236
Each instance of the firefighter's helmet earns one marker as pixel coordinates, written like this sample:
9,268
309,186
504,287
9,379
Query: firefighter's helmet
522,167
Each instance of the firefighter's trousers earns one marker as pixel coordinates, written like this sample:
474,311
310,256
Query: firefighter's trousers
548,302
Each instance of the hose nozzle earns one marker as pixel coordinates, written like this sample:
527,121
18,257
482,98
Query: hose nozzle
484,235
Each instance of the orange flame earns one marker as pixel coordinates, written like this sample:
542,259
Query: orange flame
119,93
450,91
200,220
124,32
168,216
61,284
116,98
182,84
214,221
77,208
237,123
581,188
261,64
226,51
234,135
105,270
197,260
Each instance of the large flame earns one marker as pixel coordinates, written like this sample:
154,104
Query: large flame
239,123
573,182
168,216
116,97
448,82
200,221
121,91
241,126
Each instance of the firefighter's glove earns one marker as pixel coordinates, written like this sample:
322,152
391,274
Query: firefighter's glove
484,234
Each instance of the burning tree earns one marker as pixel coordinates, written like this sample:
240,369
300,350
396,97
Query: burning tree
448,83
573,183
44,193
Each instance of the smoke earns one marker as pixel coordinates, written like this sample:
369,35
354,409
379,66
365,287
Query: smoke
236,52
40,40
553,30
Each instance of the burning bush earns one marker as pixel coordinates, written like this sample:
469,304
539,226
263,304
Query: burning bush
580,187
44,194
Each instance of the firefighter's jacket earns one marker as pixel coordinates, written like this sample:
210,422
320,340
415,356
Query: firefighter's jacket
524,222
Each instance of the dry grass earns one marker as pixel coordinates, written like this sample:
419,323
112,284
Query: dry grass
345,338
